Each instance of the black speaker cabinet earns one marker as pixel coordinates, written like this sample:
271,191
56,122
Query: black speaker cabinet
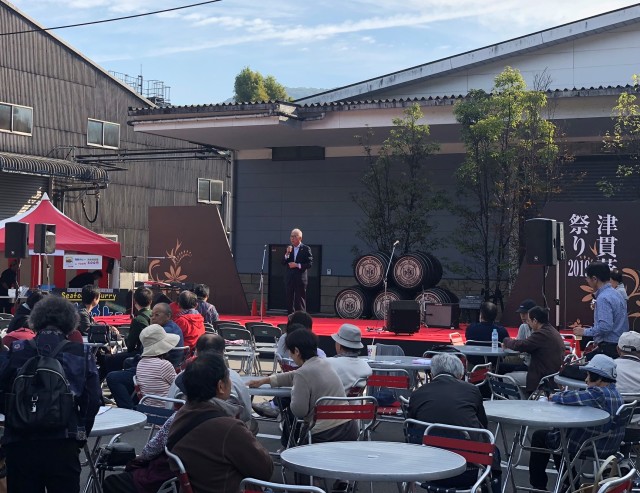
45,238
443,315
540,237
16,240
403,317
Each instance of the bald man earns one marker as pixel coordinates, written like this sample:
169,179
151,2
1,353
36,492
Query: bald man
297,260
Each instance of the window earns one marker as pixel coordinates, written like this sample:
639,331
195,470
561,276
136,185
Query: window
299,153
103,134
209,191
16,119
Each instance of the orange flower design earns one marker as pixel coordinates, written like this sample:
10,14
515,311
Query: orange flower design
173,272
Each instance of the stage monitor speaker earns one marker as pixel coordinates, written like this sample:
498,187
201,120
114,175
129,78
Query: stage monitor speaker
561,253
540,238
442,315
403,317
16,240
44,240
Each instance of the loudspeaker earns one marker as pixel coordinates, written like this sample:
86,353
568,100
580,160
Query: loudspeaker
443,315
403,317
44,240
16,240
540,238
561,253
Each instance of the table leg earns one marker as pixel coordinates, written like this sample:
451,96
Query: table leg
93,474
509,475
565,462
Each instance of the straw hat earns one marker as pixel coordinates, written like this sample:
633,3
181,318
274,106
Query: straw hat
155,341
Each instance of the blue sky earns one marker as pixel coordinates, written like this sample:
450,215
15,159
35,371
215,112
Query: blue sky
303,43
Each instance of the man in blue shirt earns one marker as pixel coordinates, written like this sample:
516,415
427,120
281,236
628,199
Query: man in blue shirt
481,331
601,393
610,318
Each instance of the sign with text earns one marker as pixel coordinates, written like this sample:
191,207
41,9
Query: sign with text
89,262
605,231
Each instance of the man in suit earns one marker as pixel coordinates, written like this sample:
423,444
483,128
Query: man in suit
298,260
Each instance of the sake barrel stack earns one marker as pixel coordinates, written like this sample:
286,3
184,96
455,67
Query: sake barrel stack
353,302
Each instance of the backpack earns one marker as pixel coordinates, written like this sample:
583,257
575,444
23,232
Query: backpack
40,398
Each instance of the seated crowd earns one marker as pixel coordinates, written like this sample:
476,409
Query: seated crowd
169,353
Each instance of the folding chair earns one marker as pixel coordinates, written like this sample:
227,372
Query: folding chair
185,352
169,486
239,344
546,386
250,485
464,441
265,338
397,382
157,416
182,476
362,409
478,374
588,451
227,323
209,328
286,364
456,339
357,388
503,387
619,485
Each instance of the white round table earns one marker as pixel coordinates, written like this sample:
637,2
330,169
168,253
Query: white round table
572,383
116,420
484,351
542,414
373,461
266,389
412,363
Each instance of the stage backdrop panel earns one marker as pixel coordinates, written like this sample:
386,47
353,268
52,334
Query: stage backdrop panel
608,231
194,245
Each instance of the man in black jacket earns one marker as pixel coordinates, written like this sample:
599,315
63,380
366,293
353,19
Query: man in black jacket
49,459
298,259
21,317
90,298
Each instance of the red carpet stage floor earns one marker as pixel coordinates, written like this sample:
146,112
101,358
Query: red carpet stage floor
372,331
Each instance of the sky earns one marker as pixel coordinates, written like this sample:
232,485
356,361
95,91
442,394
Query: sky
303,43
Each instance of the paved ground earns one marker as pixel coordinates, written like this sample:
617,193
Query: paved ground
269,436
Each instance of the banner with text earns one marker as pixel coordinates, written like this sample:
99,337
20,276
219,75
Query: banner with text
89,262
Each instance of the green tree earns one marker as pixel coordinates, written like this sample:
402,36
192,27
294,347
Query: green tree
397,199
624,142
510,170
252,86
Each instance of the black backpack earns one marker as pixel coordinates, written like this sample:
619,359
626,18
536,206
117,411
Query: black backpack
40,398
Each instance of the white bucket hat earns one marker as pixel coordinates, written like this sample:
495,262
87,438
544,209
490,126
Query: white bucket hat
348,336
155,341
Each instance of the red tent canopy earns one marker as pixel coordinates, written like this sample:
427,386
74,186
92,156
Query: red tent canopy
70,236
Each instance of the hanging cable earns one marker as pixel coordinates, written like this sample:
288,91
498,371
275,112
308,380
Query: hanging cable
113,19
84,208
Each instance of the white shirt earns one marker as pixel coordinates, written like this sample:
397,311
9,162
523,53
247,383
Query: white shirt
350,369
628,379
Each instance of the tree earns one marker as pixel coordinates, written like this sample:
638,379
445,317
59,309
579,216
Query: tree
624,142
252,86
397,199
510,170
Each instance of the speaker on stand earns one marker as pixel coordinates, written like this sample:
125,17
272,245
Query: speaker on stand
543,246
44,243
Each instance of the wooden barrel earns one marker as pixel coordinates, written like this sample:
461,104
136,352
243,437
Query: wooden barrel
417,270
369,269
353,302
434,295
381,303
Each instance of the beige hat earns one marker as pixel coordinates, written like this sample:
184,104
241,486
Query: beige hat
348,336
629,341
155,341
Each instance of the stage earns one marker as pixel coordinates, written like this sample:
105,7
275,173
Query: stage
372,331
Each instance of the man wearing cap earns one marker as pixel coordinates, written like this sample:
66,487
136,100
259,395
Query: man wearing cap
610,319
346,363
520,362
545,345
601,393
628,364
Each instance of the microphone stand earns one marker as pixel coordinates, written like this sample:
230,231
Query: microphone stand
385,301
264,255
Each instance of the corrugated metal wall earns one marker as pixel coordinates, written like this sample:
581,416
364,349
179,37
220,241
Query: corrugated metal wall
65,91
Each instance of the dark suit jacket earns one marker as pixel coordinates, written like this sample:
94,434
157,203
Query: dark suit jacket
449,401
305,259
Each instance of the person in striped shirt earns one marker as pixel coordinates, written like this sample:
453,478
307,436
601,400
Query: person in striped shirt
154,373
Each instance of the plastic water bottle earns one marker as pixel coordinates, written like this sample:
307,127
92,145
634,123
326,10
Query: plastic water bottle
494,341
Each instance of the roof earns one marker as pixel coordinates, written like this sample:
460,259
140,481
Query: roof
464,61
74,51
50,167
70,235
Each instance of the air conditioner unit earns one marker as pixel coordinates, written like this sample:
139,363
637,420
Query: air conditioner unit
110,237
210,191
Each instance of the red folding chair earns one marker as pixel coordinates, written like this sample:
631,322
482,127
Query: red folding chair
362,409
478,374
619,485
182,476
398,382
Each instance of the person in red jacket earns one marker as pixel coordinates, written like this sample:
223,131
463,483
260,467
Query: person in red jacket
189,319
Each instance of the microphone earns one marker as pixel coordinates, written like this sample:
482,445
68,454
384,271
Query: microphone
265,246
396,243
